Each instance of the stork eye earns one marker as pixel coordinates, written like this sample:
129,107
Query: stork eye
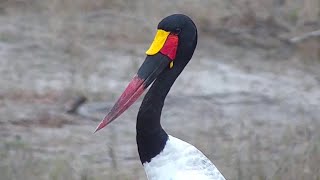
177,31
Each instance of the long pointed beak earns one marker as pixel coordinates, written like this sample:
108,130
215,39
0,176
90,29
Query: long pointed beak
148,72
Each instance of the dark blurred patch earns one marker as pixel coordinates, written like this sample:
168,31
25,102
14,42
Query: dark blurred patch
250,31
73,104
46,120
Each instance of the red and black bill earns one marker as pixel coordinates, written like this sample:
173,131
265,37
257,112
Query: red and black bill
161,52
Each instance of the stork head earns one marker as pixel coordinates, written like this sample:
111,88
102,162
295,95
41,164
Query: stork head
170,51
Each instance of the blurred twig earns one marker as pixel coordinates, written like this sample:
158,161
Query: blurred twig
305,36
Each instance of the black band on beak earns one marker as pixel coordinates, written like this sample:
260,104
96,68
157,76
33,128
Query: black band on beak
152,67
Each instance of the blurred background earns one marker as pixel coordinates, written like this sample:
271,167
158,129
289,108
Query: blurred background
249,99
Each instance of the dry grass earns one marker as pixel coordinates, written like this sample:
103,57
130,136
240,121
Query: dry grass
257,22
298,158
208,14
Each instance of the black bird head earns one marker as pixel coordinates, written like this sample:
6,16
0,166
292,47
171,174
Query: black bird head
170,51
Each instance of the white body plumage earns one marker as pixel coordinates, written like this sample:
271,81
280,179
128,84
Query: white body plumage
181,161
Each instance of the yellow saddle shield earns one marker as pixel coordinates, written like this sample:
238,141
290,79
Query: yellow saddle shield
158,42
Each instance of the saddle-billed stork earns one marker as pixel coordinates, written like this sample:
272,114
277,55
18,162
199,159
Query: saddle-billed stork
164,157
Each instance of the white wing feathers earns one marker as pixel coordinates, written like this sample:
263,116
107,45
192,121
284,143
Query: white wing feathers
181,161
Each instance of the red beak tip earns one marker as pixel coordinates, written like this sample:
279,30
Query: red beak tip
128,97
100,126
97,129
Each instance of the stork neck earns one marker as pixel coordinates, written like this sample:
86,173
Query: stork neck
151,138
149,115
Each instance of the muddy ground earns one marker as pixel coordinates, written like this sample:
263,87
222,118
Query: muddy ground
249,99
